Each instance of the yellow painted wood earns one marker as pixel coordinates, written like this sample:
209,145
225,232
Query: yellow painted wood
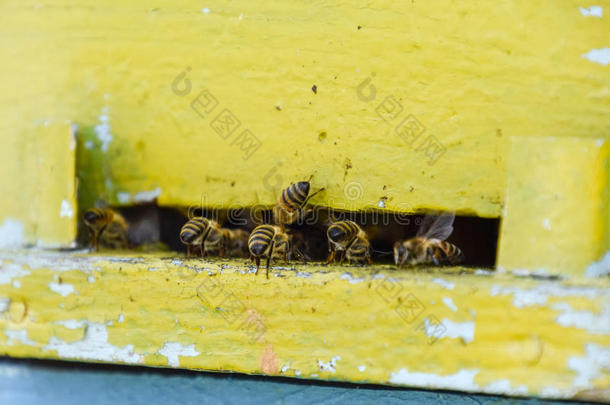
470,74
38,187
499,333
556,217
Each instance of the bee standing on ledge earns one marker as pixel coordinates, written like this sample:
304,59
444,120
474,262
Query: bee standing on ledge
429,245
203,233
348,237
268,241
291,204
106,226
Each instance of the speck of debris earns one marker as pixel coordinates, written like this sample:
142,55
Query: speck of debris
360,26
277,107
232,184
335,142
498,132
313,309
131,298
347,165
322,136
314,88
384,186
411,189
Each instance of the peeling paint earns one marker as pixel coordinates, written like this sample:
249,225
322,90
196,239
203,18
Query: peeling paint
102,130
594,323
449,303
20,335
600,268
504,387
539,295
71,323
601,56
172,350
329,365
63,289
123,197
66,210
590,366
353,280
94,346
443,283
147,196
4,304
10,271
463,380
11,233
592,11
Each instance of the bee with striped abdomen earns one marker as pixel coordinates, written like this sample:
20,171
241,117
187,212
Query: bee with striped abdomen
196,232
107,227
429,245
346,236
291,204
268,241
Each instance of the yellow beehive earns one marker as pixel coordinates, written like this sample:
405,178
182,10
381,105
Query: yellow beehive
495,110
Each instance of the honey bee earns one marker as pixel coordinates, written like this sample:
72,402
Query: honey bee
346,236
236,242
429,245
291,204
268,241
203,233
107,227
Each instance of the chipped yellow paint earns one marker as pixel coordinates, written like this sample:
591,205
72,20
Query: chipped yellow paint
557,214
470,74
329,323
38,183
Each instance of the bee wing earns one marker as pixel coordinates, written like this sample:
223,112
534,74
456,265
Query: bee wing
436,227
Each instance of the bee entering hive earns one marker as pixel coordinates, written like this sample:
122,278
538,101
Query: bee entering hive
322,235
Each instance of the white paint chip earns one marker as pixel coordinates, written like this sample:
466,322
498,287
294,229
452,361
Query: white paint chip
63,289
598,324
172,350
590,366
11,233
601,56
147,196
123,197
593,11
205,10
4,304
102,130
353,280
546,224
329,365
71,323
463,380
600,268
443,283
94,346
20,335
66,210
361,368
449,303
10,271
455,330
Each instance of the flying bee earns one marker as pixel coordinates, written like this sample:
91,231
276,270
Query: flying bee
346,236
203,233
291,204
268,241
106,226
429,245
